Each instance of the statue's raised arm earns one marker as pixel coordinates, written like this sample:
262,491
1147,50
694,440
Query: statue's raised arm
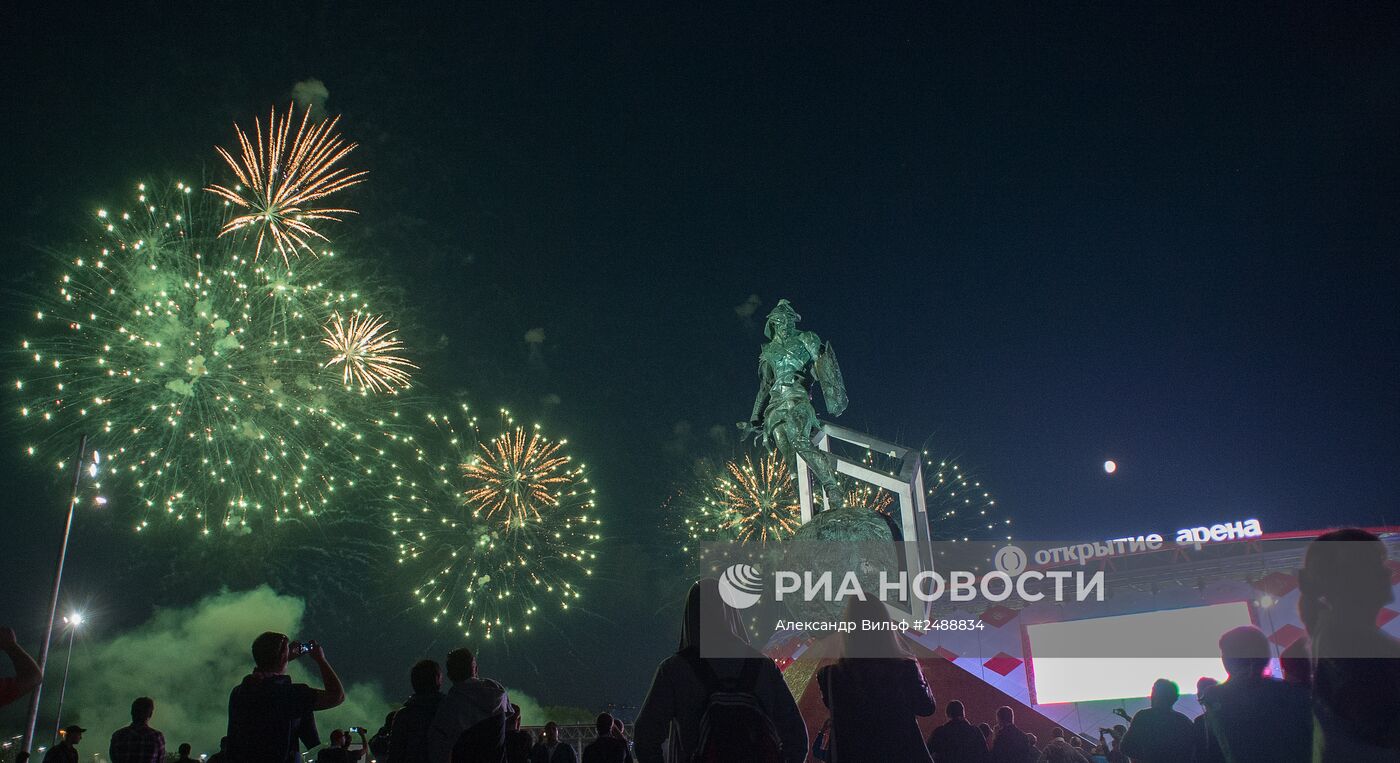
783,417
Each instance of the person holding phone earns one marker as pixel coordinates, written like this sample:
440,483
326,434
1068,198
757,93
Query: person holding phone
268,715
339,749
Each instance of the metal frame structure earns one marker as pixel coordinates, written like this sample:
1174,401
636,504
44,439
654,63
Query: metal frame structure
906,484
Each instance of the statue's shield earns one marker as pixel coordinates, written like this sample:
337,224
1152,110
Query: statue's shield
828,374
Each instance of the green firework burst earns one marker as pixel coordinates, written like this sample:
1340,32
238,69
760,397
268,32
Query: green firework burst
199,373
496,529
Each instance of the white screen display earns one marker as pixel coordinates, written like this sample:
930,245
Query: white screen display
1194,631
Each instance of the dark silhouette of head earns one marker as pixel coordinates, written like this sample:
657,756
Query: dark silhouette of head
604,724
270,652
1244,652
185,749
986,729
1164,693
1057,733
513,720
551,733
720,629
426,677
1344,575
461,665
1203,685
955,709
1006,716
142,708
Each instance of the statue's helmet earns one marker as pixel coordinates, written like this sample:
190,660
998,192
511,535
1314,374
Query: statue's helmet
782,310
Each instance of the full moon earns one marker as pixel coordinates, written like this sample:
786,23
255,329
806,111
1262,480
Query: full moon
1110,467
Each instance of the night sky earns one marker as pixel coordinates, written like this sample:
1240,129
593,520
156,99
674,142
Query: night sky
1043,235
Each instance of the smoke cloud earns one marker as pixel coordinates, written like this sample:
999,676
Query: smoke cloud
748,307
313,93
534,339
187,660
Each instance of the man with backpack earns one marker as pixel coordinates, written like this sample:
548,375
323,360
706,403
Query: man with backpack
730,709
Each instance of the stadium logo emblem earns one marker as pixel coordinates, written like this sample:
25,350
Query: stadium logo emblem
740,586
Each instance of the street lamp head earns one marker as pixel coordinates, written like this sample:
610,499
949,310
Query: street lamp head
75,619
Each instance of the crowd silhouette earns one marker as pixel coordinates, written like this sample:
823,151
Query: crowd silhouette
1338,701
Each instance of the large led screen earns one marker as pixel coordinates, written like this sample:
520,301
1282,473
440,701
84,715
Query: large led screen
1062,668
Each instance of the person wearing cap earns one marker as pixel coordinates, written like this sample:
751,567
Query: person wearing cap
66,751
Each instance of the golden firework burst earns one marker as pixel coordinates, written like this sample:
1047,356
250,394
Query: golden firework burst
758,502
281,177
367,351
516,477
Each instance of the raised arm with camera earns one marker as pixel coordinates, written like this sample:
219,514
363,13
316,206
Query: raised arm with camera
333,693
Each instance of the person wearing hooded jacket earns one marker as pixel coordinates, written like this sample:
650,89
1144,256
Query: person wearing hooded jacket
670,715
471,718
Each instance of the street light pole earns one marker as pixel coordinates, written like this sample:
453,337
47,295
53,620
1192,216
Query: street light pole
33,719
72,622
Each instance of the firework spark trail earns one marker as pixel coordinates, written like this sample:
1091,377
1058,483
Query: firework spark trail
960,508
491,573
858,495
367,352
279,181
